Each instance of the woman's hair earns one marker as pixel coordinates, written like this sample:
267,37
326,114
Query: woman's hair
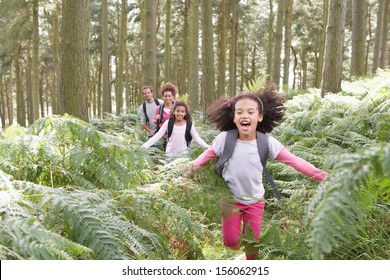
270,105
168,87
187,117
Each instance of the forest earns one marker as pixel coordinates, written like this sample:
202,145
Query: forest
75,184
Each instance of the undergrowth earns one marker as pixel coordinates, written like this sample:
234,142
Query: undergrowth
76,190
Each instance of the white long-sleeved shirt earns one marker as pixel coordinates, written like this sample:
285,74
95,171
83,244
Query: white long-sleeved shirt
177,141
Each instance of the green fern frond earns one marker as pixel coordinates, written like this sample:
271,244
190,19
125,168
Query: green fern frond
140,243
336,214
256,84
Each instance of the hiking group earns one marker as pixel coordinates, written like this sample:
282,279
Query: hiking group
172,122
242,146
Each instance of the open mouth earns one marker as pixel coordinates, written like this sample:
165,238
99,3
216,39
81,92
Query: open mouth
245,124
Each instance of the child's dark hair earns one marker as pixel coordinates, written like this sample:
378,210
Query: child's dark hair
270,104
180,103
168,87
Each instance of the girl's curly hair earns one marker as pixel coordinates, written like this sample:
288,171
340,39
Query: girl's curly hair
270,105
168,87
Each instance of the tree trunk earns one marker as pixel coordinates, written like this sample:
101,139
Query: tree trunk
378,35
35,61
278,43
385,31
271,37
167,53
369,39
74,57
150,44
222,50
208,73
121,58
320,61
20,110
193,54
359,10
233,49
333,60
107,108
294,67
304,69
56,58
183,66
287,41
2,103
8,93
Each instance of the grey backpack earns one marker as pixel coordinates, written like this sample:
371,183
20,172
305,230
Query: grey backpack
262,146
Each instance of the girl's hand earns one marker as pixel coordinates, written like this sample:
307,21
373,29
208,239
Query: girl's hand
189,170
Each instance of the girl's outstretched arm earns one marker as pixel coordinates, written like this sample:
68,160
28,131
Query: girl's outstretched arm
202,159
301,165
156,136
196,137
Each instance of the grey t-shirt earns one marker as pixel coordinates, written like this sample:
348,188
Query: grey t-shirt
243,172
150,109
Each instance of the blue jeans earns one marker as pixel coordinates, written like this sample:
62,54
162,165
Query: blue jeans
158,145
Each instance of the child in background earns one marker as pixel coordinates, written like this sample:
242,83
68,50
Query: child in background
179,121
243,171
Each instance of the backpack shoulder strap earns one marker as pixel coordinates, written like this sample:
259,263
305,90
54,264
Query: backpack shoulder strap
161,111
230,143
156,101
263,148
188,133
146,115
171,122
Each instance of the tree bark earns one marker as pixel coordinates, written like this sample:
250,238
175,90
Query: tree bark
287,41
271,38
385,31
208,73
193,54
150,44
167,53
320,60
74,58
121,57
278,43
35,61
222,50
333,60
359,11
107,108
56,58
20,109
378,36
233,49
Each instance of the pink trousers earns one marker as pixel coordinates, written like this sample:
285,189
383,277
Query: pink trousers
234,224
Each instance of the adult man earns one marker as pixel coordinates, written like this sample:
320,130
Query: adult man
147,109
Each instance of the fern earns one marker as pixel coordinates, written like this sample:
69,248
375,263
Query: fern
178,225
337,214
66,151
